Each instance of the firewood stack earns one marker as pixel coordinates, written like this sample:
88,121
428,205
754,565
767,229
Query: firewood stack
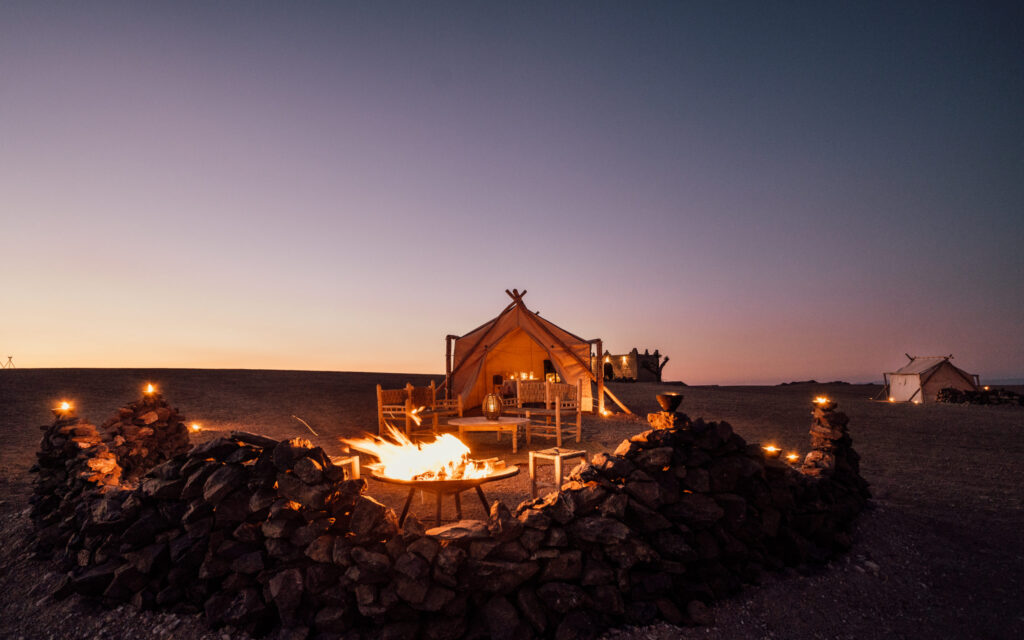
256,534
145,433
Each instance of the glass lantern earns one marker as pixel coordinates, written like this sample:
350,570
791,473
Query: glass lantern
491,406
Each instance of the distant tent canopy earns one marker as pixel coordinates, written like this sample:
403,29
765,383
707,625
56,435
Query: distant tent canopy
921,379
516,341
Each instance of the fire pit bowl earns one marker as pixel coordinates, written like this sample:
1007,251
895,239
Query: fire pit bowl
669,401
442,488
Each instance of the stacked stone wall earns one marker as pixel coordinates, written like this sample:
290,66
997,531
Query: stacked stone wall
264,535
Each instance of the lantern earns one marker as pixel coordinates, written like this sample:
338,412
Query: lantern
491,406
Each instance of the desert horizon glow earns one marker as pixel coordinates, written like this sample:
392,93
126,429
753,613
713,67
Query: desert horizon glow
763,193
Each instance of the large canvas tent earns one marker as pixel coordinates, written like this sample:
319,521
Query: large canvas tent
517,341
921,379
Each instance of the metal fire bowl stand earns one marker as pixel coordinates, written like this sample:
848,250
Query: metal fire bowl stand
442,488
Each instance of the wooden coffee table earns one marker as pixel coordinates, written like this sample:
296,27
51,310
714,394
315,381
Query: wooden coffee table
504,424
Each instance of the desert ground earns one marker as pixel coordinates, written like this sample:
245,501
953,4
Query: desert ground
940,553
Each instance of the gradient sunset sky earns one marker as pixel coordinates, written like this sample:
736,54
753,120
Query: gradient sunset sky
765,192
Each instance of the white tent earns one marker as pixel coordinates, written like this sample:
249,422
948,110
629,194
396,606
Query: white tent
517,341
921,379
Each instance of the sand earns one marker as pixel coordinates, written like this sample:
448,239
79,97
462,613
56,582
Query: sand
939,554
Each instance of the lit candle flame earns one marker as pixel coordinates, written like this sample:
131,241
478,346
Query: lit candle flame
195,426
792,457
771,449
821,400
606,413
64,406
150,388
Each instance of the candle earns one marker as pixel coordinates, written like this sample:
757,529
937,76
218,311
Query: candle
150,389
195,426
771,451
63,409
792,458
821,400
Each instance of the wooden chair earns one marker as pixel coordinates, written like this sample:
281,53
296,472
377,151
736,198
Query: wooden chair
564,401
428,405
410,405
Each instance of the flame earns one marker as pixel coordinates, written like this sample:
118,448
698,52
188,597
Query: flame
64,406
606,413
415,415
150,388
821,400
892,399
792,457
446,458
195,426
771,449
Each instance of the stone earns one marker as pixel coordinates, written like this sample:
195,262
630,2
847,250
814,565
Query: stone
426,548
463,530
501,618
699,614
567,566
598,529
450,559
532,609
698,509
331,620
285,589
222,482
501,524
561,596
499,577
321,549
309,471
248,563
287,453
238,609
313,496
147,558
371,521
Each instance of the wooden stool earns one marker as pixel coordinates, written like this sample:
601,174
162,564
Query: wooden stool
556,455
352,462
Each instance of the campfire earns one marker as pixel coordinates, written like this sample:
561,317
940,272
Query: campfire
446,458
441,467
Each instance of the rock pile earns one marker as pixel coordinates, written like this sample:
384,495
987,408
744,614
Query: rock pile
259,534
145,433
982,396
76,458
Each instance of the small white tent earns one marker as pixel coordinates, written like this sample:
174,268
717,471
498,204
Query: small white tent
921,379
518,340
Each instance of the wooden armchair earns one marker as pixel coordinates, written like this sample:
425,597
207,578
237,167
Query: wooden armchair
564,402
409,405
429,405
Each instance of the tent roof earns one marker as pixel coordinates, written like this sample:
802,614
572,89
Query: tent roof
924,364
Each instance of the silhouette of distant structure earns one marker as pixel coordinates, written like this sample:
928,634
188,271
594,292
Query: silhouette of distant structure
633,366
9,364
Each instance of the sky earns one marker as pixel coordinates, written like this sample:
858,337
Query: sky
763,191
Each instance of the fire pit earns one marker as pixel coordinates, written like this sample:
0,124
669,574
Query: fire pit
441,467
441,488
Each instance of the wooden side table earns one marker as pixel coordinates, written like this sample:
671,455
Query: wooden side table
556,455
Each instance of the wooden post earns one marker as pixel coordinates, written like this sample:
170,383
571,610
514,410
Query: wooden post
448,366
600,377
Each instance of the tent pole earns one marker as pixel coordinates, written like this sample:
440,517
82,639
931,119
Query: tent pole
448,366
600,376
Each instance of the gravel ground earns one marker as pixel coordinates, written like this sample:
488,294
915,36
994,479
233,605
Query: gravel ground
940,553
